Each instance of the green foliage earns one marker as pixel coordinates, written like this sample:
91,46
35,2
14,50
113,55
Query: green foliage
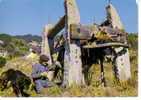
2,61
29,37
133,40
6,38
14,46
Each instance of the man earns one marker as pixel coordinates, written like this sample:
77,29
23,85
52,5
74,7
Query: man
39,74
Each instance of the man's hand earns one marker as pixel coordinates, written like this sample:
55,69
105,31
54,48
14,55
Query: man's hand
51,67
44,74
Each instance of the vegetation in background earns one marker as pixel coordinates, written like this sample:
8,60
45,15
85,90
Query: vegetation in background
133,40
14,46
5,38
2,62
28,38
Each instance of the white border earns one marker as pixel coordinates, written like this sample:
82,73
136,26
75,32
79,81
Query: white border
139,41
99,98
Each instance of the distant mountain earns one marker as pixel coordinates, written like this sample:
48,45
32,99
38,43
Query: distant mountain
29,37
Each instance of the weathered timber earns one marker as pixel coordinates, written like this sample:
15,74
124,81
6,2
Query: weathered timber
105,45
113,17
72,57
82,32
45,43
122,62
57,27
46,48
77,37
115,34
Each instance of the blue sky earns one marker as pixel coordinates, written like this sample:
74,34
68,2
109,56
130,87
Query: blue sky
19,17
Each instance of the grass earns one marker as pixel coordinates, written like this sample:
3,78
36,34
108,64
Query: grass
128,88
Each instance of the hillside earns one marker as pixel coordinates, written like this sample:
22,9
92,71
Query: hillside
29,37
14,46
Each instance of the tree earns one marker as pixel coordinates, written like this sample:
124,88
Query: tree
2,61
5,38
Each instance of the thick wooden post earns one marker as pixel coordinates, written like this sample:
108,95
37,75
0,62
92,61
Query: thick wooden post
113,17
72,57
45,43
122,61
46,48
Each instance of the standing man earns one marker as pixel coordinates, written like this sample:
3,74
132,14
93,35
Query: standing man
39,74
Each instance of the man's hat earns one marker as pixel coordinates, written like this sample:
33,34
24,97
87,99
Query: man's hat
44,58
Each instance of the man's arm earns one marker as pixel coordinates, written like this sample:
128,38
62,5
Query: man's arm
35,72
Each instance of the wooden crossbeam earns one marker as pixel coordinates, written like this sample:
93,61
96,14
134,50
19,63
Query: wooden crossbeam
105,45
57,28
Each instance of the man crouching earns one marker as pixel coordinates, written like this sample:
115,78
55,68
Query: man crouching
39,74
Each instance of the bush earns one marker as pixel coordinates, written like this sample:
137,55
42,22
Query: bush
133,41
2,61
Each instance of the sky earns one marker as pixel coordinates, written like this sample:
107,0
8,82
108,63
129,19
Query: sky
18,17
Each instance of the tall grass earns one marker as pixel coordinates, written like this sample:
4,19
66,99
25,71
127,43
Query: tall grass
114,88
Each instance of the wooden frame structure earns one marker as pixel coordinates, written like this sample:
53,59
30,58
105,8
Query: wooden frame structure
77,37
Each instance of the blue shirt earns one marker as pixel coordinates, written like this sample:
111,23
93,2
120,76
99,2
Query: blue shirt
37,69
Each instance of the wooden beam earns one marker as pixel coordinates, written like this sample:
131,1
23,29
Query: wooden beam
80,32
57,28
105,45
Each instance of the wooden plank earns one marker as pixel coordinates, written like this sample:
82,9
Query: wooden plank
80,32
86,32
105,45
57,28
